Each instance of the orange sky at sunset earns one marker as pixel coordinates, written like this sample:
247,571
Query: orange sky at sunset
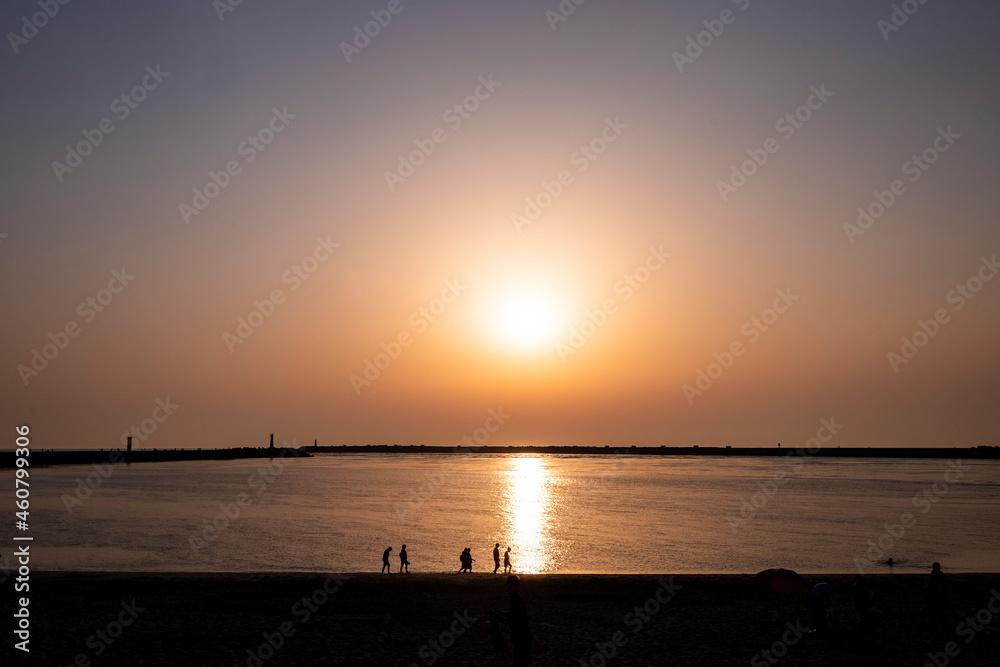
584,319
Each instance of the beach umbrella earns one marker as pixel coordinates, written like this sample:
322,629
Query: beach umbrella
786,581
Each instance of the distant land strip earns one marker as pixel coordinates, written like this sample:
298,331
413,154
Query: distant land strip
47,457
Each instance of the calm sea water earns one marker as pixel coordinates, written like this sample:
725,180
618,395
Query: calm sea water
568,514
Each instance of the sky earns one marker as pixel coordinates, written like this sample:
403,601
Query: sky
631,223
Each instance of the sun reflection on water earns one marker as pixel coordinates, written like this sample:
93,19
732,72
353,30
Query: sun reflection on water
527,516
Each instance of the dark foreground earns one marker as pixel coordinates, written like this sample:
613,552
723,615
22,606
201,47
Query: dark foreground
442,619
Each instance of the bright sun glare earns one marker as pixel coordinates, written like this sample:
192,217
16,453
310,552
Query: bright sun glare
528,317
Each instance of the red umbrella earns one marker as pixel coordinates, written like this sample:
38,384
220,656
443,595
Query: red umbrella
786,581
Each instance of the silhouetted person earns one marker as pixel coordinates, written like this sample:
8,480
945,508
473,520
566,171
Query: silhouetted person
516,618
937,598
506,561
818,600
403,562
385,561
496,557
466,560
499,643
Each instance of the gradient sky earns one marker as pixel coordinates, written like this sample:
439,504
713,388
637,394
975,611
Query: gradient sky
655,186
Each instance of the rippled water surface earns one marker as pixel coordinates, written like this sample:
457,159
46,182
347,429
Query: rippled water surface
558,513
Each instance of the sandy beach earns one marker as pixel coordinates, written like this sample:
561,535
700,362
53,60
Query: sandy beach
442,619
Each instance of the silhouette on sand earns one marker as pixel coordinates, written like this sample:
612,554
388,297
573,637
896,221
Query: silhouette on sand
385,561
466,560
516,618
937,598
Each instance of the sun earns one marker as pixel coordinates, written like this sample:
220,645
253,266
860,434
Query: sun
528,317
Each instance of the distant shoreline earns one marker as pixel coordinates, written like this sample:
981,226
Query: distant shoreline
83,457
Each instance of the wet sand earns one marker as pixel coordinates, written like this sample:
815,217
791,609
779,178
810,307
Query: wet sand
372,619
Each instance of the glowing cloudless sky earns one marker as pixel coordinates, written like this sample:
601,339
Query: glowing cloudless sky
637,225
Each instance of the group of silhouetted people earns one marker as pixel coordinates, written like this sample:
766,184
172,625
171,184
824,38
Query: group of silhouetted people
871,617
496,559
516,616
403,561
465,559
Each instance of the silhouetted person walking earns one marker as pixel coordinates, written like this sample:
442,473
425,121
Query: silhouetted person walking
517,619
403,562
466,560
507,567
385,561
496,557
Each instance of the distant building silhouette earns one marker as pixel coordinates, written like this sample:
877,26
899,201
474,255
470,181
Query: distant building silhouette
272,441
